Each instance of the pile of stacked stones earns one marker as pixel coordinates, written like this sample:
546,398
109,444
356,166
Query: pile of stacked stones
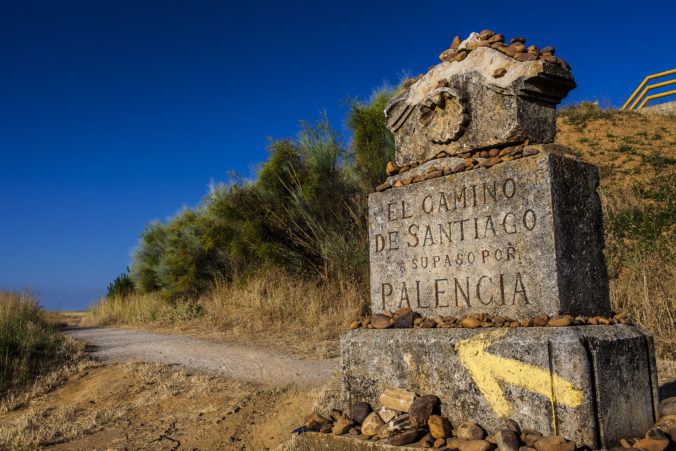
405,418
516,49
470,160
406,318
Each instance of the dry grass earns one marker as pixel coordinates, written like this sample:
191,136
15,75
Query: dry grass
636,156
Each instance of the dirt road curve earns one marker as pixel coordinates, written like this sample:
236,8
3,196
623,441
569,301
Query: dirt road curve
234,361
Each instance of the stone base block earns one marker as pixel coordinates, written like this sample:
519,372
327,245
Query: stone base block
590,384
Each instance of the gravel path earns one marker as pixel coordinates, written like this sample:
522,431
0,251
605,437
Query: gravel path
238,362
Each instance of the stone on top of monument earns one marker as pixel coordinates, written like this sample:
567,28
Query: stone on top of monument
488,95
519,239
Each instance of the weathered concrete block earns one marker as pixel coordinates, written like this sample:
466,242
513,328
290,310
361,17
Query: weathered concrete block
590,384
460,106
519,239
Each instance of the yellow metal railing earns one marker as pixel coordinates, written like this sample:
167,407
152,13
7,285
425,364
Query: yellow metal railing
648,88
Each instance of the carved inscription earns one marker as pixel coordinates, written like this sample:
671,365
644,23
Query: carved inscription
457,247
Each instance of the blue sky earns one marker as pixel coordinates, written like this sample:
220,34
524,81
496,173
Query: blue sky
115,113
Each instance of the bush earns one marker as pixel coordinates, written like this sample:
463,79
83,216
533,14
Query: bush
122,286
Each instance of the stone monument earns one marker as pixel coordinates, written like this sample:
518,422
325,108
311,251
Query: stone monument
485,226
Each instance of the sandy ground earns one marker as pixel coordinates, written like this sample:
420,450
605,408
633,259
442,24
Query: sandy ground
170,392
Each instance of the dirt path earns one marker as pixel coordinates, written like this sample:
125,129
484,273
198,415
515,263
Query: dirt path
233,361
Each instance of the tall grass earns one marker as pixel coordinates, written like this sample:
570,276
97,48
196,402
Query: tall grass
30,344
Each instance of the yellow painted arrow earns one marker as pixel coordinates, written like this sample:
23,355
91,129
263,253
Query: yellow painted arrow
486,369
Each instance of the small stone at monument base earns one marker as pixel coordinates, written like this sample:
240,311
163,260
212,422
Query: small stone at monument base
422,408
387,414
470,431
439,426
372,423
475,445
667,407
314,421
342,426
507,440
360,411
439,443
397,399
405,437
603,377
554,443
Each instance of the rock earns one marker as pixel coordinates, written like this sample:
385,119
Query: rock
326,428
439,443
487,163
527,152
387,414
397,399
405,437
533,49
530,437
315,421
383,187
360,410
498,38
548,58
651,444
448,55
499,72
428,323
335,414
486,34
392,168
433,174
527,448
456,42
398,424
404,321
379,321
667,407
656,433
507,440
518,39
371,424
470,431
471,323
549,49
554,443
422,408
525,57
559,321
513,426
439,426
355,325
342,426
353,432
461,55
475,445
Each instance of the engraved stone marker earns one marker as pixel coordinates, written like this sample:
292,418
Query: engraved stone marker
468,223
518,239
